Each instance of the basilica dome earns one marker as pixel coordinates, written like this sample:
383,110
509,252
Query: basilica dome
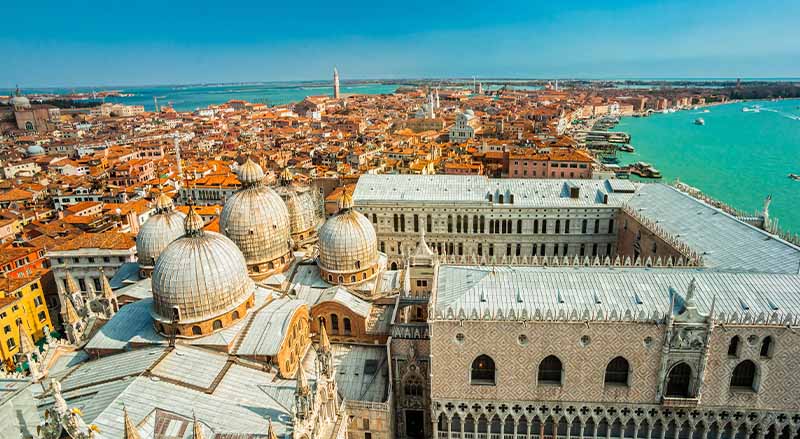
165,226
257,220
302,210
348,247
200,283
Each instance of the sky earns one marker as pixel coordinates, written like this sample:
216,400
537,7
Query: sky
142,42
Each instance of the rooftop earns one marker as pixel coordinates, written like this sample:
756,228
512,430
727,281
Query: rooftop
611,294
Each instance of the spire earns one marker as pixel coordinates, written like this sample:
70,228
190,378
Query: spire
72,285
26,346
690,290
324,342
302,382
335,83
197,428
70,314
108,293
270,430
59,403
130,430
177,154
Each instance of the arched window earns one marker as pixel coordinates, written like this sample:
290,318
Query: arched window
217,324
358,265
347,327
321,322
428,224
519,226
500,199
416,223
766,347
678,380
482,371
449,223
617,371
402,222
334,323
550,370
558,226
395,222
744,376
733,346
196,330
235,315
374,219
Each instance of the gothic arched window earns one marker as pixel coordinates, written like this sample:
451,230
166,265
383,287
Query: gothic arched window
766,347
733,346
334,323
550,370
678,380
744,375
217,324
196,330
617,371
483,371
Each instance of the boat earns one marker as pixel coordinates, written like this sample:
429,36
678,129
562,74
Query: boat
794,177
644,170
609,160
625,148
706,111
699,121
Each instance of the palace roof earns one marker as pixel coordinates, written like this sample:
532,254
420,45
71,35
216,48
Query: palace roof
611,294
471,189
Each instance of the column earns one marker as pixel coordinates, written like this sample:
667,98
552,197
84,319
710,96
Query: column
436,427
759,432
516,425
691,431
719,431
450,428
461,426
635,430
583,428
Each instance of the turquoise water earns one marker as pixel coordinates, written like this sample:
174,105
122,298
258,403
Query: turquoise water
736,157
192,97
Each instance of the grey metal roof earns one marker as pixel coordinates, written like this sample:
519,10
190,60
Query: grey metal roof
352,377
724,242
142,289
598,293
18,415
268,327
391,188
344,297
227,397
126,274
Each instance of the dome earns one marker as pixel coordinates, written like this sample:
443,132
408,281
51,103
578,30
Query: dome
34,150
257,220
203,276
19,101
302,210
348,247
165,226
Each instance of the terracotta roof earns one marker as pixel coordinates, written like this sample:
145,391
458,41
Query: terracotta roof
105,240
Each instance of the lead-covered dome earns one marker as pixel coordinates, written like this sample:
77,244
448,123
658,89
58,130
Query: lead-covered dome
165,226
348,247
257,220
35,150
200,283
302,210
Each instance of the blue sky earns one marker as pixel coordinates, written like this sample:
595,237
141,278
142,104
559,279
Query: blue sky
134,42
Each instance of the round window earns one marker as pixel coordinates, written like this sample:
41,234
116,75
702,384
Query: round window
522,340
585,340
460,338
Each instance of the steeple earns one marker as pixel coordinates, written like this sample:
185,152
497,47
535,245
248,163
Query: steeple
72,285
178,156
26,346
302,395
270,430
325,353
335,83
108,295
197,428
324,342
130,430
70,314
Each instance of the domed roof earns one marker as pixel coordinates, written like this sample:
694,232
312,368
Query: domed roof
35,150
300,203
256,218
202,274
347,241
165,226
19,101
250,173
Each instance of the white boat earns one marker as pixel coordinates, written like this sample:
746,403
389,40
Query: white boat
699,121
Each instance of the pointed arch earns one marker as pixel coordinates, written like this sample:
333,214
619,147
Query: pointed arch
679,379
744,376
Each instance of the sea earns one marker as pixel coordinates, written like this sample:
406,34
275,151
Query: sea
193,97
738,157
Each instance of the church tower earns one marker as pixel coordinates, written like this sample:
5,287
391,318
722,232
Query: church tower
335,83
